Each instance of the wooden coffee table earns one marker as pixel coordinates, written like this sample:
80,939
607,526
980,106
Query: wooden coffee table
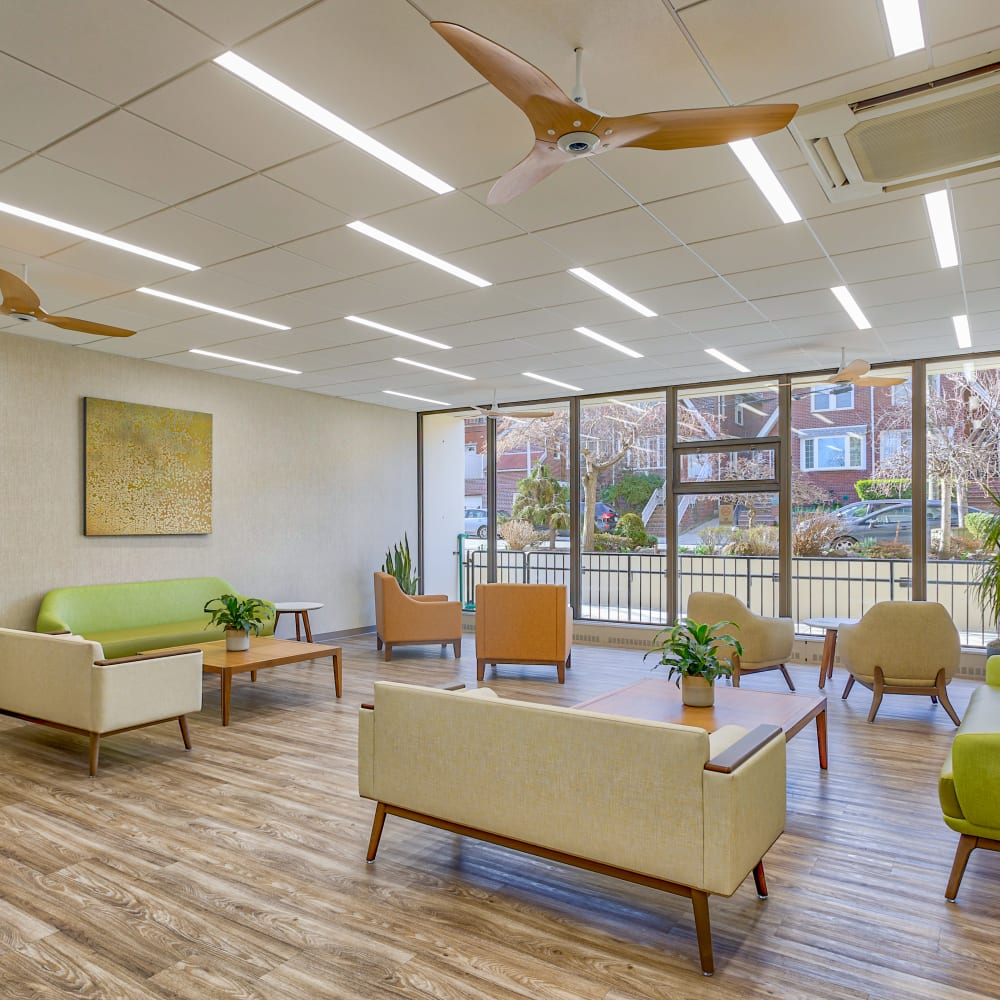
264,652
659,700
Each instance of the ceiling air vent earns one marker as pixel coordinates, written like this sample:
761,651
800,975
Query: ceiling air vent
937,129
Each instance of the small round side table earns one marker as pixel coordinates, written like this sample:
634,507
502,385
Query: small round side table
301,611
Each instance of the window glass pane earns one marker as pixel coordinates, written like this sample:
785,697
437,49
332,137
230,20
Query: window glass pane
728,466
747,411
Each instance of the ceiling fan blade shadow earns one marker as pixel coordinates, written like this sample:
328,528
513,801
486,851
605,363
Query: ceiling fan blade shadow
17,296
85,326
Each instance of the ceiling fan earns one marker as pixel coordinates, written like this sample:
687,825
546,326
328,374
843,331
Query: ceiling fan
856,373
566,128
494,412
20,302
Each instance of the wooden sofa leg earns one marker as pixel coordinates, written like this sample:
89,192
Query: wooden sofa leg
561,672
388,651
966,845
95,749
377,825
788,680
457,646
877,693
942,696
703,928
480,669
758,879
185,735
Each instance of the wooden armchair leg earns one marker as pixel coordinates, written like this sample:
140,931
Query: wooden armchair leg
388,651
942,696
185,735
877,692
377,825
95,749
561,672
788,679
378,643
966,845
457,646
480,669
703,928
758,879
847,687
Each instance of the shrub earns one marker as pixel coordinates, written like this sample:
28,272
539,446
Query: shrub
631,527
632,491
603,542
813,535
883,489
757,541
978,524
517,534
960,547
715,539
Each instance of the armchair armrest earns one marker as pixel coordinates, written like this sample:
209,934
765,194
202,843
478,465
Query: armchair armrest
428,597
144,656
743,749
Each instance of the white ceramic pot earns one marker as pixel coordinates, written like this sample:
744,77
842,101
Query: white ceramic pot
697,692
237,640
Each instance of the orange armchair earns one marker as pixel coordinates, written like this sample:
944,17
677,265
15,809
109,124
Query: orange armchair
402,620
523,623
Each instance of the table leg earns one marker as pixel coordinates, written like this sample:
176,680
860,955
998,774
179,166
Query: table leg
227,691
829,651
305,621
338,681
821,738
298,626
277,615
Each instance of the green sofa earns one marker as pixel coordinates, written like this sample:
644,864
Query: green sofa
129,618
969,785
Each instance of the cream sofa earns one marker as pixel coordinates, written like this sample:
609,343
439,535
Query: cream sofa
64,681
666,806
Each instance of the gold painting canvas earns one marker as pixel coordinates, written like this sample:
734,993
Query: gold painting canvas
148,470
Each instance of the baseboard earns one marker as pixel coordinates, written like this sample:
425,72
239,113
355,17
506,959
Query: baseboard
344,633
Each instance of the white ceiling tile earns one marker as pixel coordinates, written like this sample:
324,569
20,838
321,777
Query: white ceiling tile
652,175
124,268
626,233
887,262
512,259
804,304
782,279
980,245
415,282
43,331
874,225
346,251
908,287
722,211
762,248
555,289
265,210
114,49
214,288
29,239
735,315
276,271
691,295
977,205
219,111
232,20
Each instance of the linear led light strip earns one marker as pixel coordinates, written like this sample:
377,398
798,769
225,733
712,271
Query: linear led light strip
765,178
427,258
214,309
602,286
291,98
607,341
725,359
88,234
938,206
851,307
420,399
552,381
431,368
963,335
399,333
906,33
243,361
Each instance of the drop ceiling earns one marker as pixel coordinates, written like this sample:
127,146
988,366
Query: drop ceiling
116,119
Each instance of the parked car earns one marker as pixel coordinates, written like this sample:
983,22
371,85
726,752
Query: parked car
605,516
893,523
475,522
862,508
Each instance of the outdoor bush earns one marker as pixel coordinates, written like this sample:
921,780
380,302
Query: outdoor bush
883,489
517,534
813,535
632,491
716,538
758,541
604,542
960,547
978,524
631,527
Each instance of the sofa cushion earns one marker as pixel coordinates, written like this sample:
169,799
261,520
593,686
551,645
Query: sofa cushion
128,641
982,716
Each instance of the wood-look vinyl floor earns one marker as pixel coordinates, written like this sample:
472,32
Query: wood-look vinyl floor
237,870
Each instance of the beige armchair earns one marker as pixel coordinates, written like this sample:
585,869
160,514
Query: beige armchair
902,647
65,682
767,642
523,623
420,620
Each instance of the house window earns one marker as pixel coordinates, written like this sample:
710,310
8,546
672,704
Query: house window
900,394
738,411
833,451
892,443
837,397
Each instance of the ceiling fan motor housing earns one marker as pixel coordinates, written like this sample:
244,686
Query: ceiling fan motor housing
579,143
23,317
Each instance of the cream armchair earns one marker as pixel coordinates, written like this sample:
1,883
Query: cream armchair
65,682
902,647
767,642
523,623
426,619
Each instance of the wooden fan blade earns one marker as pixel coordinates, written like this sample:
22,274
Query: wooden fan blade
877,380
686,128
850,372
85,326
536,94
17,296
543,160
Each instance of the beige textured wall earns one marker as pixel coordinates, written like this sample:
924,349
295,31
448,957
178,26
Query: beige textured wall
306,511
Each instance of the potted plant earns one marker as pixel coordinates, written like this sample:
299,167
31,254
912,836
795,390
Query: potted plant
691,650
988,584
399,565
239,616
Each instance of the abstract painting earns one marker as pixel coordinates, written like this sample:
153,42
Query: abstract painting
147,470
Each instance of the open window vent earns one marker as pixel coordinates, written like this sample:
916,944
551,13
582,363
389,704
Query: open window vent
928,132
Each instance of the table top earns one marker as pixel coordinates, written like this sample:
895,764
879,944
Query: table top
658,700
296,606
264,651
830,623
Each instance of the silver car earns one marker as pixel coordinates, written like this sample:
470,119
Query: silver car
893,523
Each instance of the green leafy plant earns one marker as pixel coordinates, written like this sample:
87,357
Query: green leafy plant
631,527
240,614
759,540
632,491
881,489
988,583
399,565
978,523
691,649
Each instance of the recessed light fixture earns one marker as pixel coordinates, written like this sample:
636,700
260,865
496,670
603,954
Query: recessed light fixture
327,119
752,409
427,258
602,286
939,213
552,381
725,359
243,361
765,178
214,309
906,33
851,307
398,333
607,341
87,234
431,368
962,334
420,399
